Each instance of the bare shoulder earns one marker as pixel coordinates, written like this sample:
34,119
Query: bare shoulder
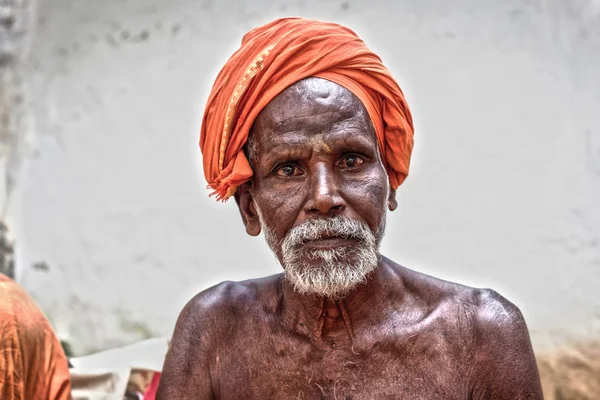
219,307
484,308
200,324
204,327
495,312
222,299
503,363
496,324
492,331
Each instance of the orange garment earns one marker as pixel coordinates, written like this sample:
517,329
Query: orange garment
33,365
273,57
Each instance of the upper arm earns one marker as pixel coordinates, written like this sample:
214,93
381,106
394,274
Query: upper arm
187,369
504,365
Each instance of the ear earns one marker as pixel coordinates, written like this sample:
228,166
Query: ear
392,203
245,201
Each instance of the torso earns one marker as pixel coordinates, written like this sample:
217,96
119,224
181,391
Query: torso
418,350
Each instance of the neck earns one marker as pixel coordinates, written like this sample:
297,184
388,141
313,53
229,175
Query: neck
335,322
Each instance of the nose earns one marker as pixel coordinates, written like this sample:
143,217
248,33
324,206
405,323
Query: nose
324,196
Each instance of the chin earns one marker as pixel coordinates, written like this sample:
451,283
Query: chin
331,273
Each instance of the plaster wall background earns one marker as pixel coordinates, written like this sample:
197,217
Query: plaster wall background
113,226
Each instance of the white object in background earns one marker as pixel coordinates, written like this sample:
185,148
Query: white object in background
145,355
99,384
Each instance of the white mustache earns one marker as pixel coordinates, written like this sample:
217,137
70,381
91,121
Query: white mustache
332,227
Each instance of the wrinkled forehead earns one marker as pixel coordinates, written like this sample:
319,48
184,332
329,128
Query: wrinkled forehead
312,101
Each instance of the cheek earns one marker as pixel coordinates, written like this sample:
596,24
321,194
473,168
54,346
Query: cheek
279,205
367,194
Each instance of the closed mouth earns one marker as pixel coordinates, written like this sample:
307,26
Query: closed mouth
330,242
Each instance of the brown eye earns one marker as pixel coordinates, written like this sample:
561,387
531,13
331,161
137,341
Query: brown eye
351,161
288,170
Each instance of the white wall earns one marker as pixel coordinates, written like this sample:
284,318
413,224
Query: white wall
504,190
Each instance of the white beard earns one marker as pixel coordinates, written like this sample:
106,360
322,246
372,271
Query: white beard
330,273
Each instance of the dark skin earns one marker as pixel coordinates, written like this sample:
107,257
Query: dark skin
400,335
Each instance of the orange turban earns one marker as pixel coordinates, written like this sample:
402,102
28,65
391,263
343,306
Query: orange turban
275,56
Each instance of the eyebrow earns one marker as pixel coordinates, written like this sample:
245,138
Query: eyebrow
283,145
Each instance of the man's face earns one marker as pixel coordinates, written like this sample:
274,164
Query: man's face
319,190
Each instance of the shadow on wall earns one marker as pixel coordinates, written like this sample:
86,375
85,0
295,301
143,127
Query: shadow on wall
7,252
572,373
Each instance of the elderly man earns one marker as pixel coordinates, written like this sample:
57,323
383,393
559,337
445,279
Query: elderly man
310,133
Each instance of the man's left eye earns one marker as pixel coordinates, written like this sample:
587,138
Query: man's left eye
351,161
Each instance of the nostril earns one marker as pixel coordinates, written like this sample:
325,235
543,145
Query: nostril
337,208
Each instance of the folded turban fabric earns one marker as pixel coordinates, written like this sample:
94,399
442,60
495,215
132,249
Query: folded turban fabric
33,365
274,56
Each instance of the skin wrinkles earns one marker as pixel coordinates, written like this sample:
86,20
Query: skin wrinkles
398,335
371,181
297,123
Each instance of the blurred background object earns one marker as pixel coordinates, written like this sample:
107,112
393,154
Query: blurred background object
112,227
7,252
130,372
16,23
572,373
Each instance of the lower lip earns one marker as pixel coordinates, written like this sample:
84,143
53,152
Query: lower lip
330,243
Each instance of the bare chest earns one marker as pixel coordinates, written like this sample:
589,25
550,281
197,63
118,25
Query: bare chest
422,366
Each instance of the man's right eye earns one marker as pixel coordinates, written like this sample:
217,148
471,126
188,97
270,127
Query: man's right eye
288,170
